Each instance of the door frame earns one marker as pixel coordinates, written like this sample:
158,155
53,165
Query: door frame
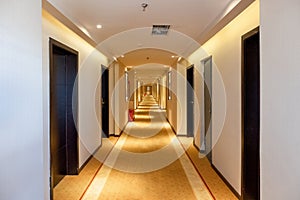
106,69
52,44
208,154
243,93
187,103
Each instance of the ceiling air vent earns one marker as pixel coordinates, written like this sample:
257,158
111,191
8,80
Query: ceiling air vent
160,29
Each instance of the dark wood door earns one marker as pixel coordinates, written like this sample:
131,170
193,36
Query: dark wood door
63,112
250,116
71,114
208,107
58,120
190,101
104,101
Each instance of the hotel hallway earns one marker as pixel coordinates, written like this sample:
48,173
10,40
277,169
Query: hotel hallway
147,161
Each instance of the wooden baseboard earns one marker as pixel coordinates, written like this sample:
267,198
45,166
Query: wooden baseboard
226,182
199,150
181,135
92,155
196,146
121,132
89,158
173,129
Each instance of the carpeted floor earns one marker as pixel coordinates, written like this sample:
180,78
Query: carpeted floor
147,162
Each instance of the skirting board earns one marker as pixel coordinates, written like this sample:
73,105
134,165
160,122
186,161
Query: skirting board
118,135
92,155
226,182
171,126
89,158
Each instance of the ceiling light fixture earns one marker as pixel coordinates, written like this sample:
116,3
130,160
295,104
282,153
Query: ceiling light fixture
99,26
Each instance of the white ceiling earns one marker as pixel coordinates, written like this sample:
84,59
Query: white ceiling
144,56
127,29
149,72
190,17
141,38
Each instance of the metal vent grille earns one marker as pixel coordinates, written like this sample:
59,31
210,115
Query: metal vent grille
160,29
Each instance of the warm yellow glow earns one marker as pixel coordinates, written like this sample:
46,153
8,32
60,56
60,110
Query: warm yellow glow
240,24
225,49
247,20
143,117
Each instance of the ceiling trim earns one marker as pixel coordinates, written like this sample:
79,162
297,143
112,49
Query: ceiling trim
118,44
152,55
68,23
223,21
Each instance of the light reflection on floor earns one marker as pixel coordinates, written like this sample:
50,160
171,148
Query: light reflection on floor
147,144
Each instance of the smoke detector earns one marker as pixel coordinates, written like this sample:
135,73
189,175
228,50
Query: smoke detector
144,6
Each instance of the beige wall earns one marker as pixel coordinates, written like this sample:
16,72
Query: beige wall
163,92
225,48
21,115
280,85
172,103
90,61
154,91
111,99
181,100
136,95
121,105
140,92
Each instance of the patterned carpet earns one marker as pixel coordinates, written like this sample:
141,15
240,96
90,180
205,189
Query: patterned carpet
147,162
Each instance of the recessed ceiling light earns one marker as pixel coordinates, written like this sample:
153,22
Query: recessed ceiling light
99,26
173,56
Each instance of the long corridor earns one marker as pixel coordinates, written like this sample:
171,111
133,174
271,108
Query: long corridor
147,161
